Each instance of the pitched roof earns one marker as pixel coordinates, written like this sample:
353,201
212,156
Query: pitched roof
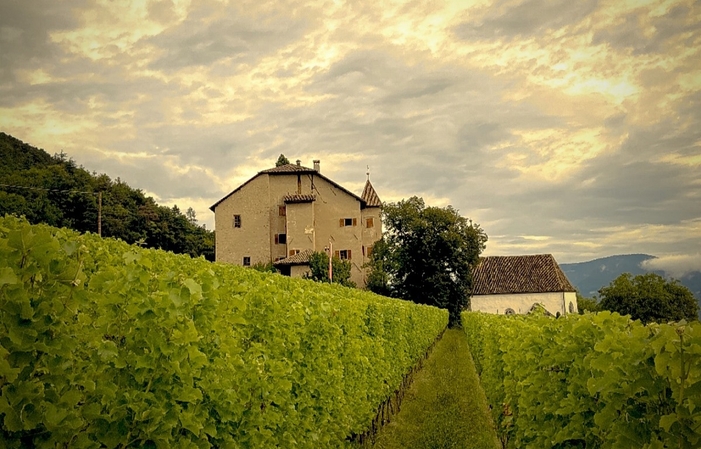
370,196
301,258
298,198
539,273
289,169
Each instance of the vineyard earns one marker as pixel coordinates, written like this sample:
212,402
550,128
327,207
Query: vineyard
590,381
103,344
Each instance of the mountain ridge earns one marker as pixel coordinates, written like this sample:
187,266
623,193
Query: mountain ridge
590,276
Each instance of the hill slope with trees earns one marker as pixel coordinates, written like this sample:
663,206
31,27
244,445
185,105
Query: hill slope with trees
56,191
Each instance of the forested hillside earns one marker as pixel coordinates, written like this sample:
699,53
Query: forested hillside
57,191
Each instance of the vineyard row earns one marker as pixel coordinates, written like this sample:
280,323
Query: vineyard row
595,381
103,344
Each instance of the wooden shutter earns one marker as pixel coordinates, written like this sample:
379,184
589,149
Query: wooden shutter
277,239
337,254
370,222
349,251
292,252
355,222
341,222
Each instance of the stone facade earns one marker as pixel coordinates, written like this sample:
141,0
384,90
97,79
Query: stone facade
291,210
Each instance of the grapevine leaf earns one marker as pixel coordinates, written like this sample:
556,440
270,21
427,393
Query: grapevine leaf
7,276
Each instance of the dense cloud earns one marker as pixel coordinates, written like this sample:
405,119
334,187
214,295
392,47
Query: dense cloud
644,34
523,18
564,128
210,35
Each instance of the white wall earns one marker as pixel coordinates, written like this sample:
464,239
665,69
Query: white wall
522,302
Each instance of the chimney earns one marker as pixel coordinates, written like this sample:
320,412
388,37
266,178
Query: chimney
299,162
317,165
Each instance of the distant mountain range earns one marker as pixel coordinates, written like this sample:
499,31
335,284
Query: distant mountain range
589,277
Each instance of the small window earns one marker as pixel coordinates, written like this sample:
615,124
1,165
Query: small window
237,221
344,254
369,251
370,222
293,252
246,261
280,239
282,210
348,222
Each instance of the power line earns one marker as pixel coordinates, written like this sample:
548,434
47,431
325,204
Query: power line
98,194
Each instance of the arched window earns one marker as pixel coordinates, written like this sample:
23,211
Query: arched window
509,311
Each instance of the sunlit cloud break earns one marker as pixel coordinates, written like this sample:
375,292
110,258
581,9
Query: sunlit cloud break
564,128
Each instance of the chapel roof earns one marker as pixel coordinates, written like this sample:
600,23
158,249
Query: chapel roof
539,273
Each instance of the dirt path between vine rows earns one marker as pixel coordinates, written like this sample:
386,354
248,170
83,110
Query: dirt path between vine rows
445,406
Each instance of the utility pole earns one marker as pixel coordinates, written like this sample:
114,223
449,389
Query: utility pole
330,262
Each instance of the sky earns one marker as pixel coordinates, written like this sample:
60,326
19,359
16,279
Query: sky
563,127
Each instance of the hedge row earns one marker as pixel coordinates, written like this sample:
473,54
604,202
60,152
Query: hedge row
594,381
103,344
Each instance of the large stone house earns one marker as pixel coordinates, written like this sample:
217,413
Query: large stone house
514,284
284,214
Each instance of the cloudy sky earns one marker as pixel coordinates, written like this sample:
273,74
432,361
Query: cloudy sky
563,127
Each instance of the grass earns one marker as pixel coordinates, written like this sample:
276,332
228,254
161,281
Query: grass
445,406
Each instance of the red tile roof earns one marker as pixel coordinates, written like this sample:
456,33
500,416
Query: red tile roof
298,198
370,196
519,274
301,258
289,168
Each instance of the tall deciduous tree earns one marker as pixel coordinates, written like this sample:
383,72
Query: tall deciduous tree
427,255
649,298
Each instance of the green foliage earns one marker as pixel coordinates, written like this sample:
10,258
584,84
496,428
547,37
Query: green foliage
594,380
649,298
380,265
103,344
427,255
319,269
587,304
127,213
282,160
264,267
445,406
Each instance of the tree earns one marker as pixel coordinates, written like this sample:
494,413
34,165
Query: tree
649,298
585,304
319,269
191,216
56,191
426,255
282,160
